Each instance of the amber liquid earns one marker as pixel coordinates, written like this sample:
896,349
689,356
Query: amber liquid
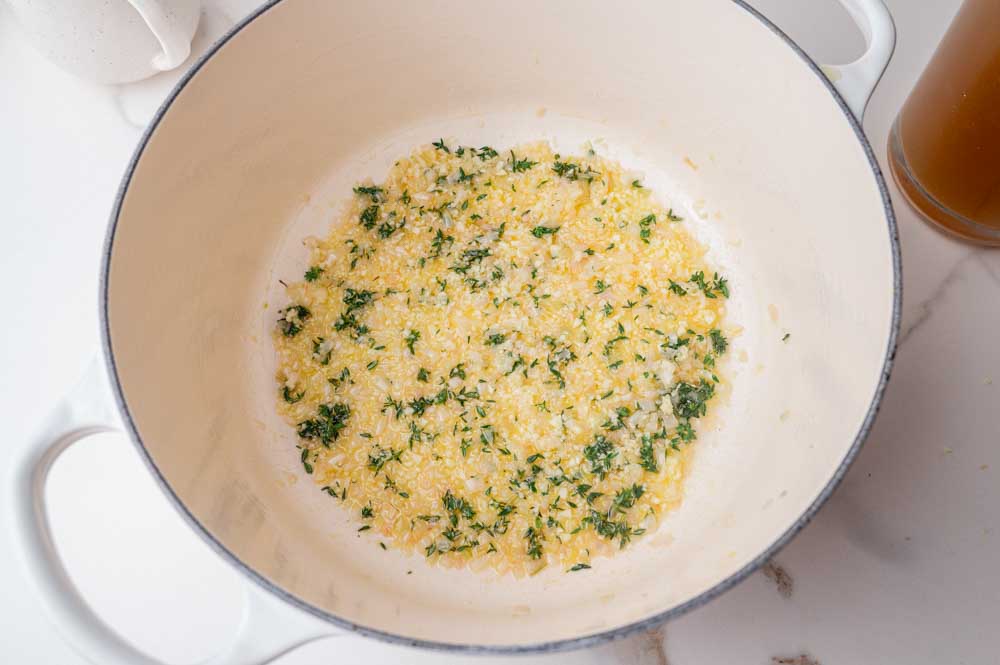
945,146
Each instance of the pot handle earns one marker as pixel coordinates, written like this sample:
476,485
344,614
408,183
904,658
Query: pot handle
174,41
268,628
856,80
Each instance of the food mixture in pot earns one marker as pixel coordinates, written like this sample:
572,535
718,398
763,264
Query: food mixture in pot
500,358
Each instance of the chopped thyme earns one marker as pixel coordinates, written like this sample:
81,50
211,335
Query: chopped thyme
485,153
330,420
369,217
322,351
540,231
690,400
387,228
439,242
357,299
718,285
292,319
343,378
646,455
719,342
495,339
626,498
410,338
610,529
290,397
601,454
645,227
534,537
373,192
520,165
304,458
469,258
572,171
379,457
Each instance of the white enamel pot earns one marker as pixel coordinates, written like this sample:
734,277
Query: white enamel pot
258,145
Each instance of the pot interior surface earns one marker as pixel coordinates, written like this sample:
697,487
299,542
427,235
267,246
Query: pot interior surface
260,148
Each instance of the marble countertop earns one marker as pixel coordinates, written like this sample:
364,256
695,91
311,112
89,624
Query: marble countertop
899,566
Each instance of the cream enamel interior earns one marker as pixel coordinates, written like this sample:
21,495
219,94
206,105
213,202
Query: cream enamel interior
260,148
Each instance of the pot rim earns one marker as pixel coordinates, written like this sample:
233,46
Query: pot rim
567,644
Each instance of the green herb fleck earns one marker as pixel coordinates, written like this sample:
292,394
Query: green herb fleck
485,153
625,499
495,339
292,319
676,288
540,231
291,398
304,457
572,171
534,537
645,227
690,400
318,354
375,193
647,457
719,285
469,258
601,454
379,457
338,381
369,217
520,165
411,338
719,342
331,419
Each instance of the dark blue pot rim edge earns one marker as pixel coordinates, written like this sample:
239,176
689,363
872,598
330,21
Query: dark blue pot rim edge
540,647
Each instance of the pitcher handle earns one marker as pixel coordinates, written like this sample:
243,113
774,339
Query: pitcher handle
174,40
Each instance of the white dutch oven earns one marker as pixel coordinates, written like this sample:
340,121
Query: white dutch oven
259,143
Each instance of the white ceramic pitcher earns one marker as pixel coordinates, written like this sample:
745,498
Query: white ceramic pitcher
111,41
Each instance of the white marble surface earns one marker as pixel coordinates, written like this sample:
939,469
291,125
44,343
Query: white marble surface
899,567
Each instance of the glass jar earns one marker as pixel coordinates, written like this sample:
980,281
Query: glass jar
944,148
